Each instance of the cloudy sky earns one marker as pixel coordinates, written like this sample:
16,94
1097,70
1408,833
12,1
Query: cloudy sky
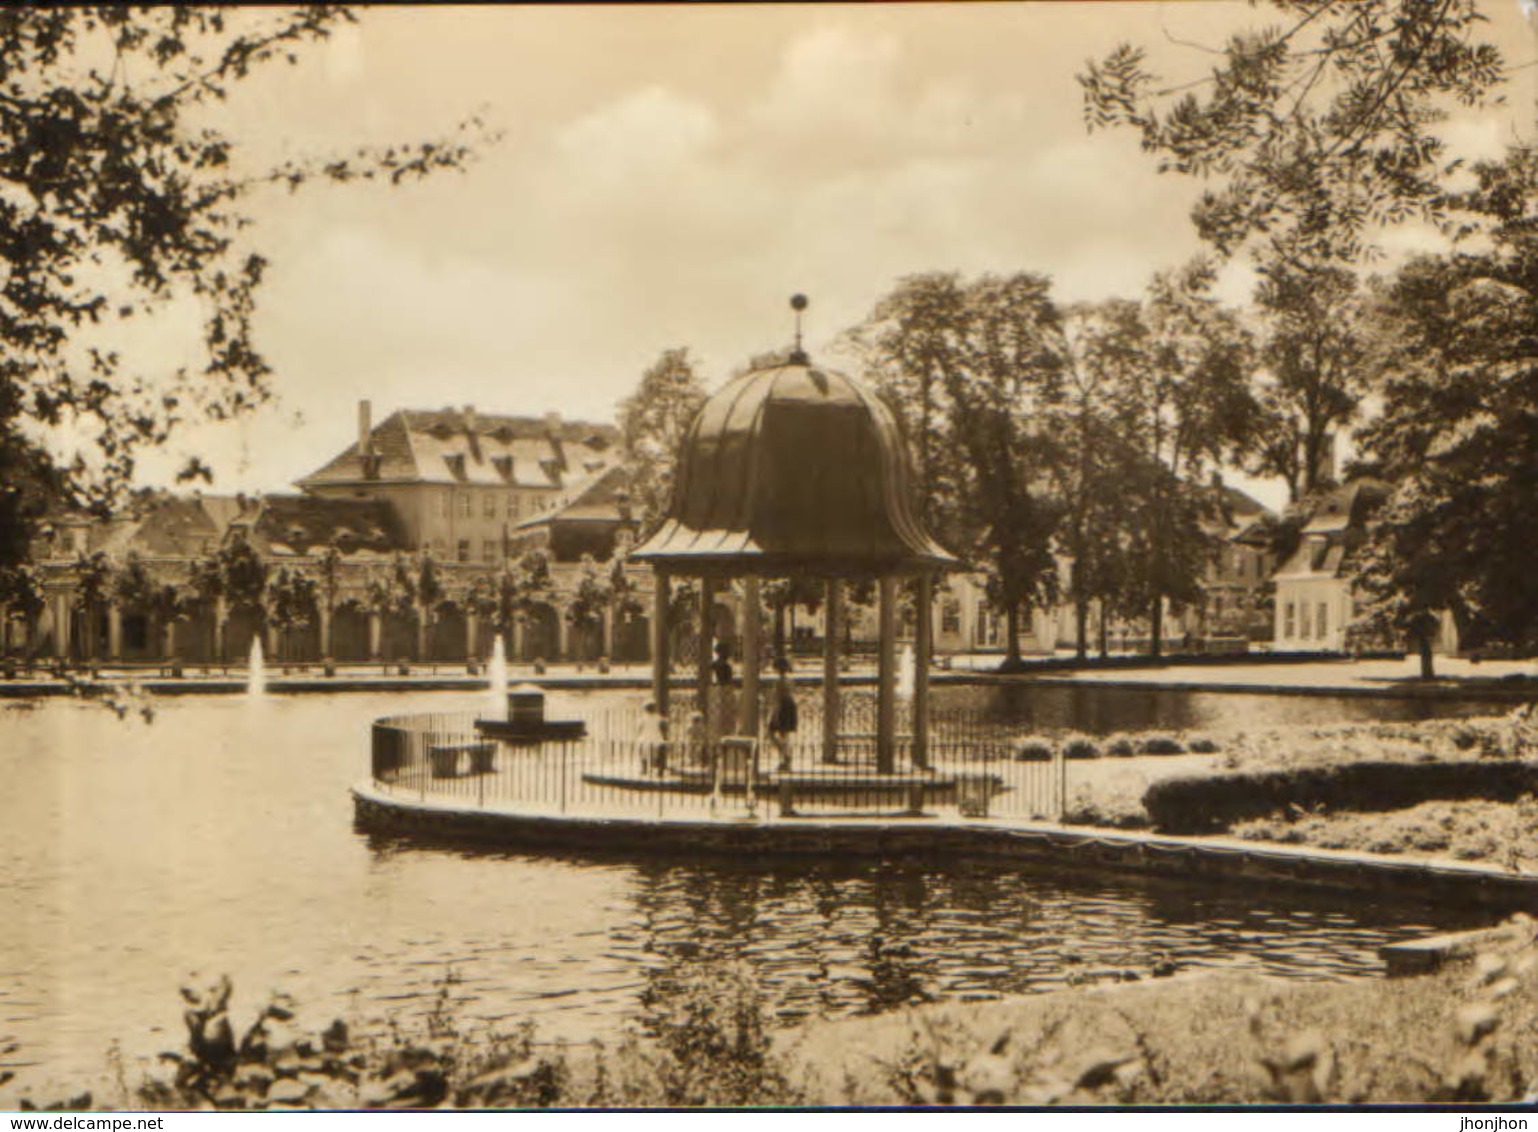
669,175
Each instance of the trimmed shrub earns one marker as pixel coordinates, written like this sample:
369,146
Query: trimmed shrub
1034,751
1202,745
1121,746
1162,745
1210,803
1081,748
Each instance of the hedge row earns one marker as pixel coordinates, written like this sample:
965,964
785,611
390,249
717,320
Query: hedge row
1207,804
1036,749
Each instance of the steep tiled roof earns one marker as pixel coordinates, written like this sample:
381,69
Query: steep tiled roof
177,526
1243,506
598,502
1337,527
296,524
1348,505
450,446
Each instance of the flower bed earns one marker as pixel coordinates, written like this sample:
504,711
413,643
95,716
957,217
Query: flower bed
1492,832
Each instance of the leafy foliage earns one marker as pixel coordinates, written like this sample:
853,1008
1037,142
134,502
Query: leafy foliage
653,422
1460,424
1312,131
1314,352
121,195
970,368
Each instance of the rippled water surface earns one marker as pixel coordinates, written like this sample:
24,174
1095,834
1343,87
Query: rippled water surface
219,839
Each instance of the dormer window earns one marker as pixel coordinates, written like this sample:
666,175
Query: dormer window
456,464
504,467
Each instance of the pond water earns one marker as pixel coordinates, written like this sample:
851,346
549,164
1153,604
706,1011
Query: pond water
1100,710
219,839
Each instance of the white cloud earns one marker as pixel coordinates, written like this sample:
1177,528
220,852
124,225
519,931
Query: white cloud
646,137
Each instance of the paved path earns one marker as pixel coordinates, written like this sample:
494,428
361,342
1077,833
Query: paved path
732,833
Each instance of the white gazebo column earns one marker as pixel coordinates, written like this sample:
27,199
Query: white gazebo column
170,635
221,622
375,633
923,646
114,632
325,632
833,612
62,624
661,641
886,682
606,645
562,636
747,709
472,623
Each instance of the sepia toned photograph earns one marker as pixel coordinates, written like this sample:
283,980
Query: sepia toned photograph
768,556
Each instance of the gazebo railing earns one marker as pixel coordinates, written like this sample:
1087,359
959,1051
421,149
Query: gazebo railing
970,770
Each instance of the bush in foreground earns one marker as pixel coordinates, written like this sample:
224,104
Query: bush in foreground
1462,1035
711,1046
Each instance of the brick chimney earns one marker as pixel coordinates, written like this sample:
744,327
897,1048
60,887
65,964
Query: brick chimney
365,428
473,440
553,434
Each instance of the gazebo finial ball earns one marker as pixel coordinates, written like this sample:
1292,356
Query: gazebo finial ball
798,302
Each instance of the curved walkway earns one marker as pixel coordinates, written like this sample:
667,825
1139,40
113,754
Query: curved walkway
1085,849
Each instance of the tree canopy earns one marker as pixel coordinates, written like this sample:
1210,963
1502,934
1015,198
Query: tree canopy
120,194
1312,131
653,421
1459,429
971,368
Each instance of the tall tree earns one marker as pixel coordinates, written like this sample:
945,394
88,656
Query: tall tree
1315,377
120,194
1456,438
1181,407
653,421
1104,351
907,345
981,359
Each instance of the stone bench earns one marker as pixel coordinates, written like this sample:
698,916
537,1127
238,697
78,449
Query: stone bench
445,758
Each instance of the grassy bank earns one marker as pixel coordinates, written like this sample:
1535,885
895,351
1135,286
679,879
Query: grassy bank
1111,792
1461,1035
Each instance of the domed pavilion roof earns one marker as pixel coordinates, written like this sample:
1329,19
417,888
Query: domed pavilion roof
793,469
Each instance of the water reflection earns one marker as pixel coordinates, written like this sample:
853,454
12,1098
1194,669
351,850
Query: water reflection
220,839
829,939
1101,710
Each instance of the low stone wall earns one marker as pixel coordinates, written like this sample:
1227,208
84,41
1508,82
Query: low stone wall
1218,860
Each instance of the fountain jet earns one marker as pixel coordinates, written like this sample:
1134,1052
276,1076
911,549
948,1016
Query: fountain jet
256,672
496,679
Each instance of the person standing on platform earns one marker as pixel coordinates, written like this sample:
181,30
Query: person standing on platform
721,706
782,712
653,740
